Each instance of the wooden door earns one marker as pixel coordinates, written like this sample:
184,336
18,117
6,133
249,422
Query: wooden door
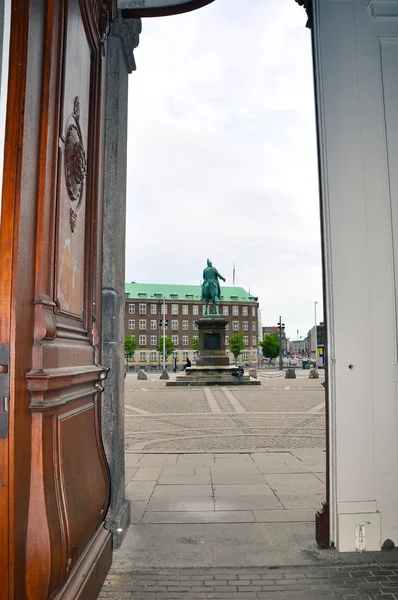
54,478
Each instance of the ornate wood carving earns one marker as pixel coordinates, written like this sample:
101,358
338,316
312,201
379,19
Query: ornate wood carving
75,162
67,548
307,5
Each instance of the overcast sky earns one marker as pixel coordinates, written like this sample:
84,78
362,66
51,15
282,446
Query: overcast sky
222,155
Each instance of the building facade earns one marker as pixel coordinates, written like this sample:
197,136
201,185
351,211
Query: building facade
316,346
147,304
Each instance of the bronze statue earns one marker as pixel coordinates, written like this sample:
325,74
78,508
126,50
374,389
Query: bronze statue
211,286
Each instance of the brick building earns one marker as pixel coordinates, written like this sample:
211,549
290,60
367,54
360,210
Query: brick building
144,306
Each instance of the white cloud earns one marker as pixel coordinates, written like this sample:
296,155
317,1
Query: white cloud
222,154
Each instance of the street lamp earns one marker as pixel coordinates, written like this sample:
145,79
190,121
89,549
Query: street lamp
281,328
316,338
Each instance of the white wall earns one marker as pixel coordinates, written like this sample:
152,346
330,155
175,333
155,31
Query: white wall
356,58
5,16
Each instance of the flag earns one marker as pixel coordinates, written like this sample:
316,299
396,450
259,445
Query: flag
233,275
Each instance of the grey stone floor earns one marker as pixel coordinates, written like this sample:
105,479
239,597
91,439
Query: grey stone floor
224,485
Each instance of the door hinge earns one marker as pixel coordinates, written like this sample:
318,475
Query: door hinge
4,389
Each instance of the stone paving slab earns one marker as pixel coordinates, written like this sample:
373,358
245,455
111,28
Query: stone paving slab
352,581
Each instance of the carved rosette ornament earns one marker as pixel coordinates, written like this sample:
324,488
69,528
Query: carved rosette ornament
307,5
75,162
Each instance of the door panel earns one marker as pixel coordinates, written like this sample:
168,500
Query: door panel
59,479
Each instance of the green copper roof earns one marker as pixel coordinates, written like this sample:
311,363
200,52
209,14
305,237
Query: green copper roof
183,292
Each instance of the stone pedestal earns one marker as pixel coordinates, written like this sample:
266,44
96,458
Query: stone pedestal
212,341
212,367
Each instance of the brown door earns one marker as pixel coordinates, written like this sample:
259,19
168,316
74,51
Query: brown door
54,481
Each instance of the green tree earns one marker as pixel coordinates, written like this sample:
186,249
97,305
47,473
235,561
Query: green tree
130,345
236,344
195,343
270,346
169,346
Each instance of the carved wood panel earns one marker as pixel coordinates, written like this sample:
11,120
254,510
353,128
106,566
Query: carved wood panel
69,480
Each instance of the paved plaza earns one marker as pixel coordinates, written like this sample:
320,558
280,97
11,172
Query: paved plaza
224,484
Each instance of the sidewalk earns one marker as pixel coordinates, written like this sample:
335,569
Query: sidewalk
224,487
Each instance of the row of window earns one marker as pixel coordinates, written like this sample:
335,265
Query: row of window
153,309
154,356
185,340
154,324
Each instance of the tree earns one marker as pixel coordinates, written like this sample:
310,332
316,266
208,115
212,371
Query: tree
270,346
195,343
169,347
236,344
130,345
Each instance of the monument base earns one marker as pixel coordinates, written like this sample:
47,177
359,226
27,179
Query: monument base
209,375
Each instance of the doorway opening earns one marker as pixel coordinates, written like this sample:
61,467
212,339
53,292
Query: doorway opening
227,162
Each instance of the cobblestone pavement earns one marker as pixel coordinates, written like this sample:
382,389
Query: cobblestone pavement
278,414
366,581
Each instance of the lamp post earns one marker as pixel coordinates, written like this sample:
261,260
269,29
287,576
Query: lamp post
316,338
164,332
281,327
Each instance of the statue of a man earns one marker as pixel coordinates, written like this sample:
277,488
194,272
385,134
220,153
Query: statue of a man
211,286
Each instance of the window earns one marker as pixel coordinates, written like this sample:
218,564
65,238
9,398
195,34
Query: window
245,311
174,309
195,326
174,325
142,340
131,323
195,337
142,356
195,309
154,324
234,297
142,309
142,323
254,326
195,355
158,296
185,340
141,295
227,327
225,311
153,356
245,326
174,339
185,325
227,340
127,295
153,309
189,297
235,325
253,311
164,309
185,309
174,296
154,340
246,340
185,355
254,341
175,354
235,311
245,355
131,309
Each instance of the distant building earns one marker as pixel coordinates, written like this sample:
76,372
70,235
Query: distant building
316,350
297,346
144,306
